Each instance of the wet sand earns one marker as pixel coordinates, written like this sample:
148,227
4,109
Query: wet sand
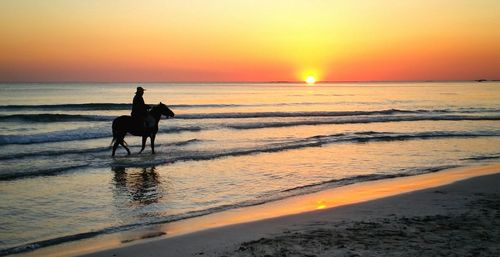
457,219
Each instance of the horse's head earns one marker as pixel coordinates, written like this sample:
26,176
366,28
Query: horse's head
164,110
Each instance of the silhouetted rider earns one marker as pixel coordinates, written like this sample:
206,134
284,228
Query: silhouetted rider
139,108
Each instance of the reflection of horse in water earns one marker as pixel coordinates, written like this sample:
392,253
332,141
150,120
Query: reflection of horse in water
141,185
126,124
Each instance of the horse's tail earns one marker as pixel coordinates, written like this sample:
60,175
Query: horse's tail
115,133
114,138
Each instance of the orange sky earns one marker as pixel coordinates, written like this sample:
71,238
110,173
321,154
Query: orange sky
244,40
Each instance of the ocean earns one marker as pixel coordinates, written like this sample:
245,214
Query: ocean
230,145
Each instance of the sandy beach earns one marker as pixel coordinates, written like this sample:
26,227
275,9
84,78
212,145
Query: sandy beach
457,219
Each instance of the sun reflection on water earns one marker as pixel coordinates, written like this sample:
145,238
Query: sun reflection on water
320,205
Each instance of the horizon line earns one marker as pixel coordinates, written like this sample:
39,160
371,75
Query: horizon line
255,82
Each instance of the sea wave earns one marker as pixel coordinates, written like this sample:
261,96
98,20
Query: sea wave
99,158
482,157
310,188
102,132
69,107
94,150
315,141
102,107
241,115
79,134
56,136
49,117
61,117
39,171
358,120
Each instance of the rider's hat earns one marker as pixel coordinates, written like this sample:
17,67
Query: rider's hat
140,89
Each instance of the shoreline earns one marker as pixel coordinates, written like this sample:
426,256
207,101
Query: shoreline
227,225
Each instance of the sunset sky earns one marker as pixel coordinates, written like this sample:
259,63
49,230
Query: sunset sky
244,40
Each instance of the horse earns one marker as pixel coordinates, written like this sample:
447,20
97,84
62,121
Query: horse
126,124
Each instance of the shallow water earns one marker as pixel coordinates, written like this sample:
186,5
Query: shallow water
230,145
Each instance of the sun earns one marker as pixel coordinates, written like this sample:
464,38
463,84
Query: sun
310,80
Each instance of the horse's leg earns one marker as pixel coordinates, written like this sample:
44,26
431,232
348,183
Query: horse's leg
120,141
115,145
153,143
125,146
144,138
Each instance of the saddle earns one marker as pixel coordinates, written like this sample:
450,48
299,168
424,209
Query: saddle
149,122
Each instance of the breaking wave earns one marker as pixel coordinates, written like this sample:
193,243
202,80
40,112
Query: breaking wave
102,132
99,157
